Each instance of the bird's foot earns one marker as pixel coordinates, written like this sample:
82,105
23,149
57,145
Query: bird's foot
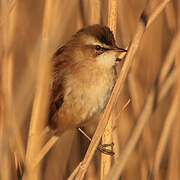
103,148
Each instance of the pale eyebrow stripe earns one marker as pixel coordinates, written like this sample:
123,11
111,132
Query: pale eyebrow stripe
93,41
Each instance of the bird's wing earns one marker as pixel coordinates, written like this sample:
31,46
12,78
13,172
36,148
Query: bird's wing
57,98
57,90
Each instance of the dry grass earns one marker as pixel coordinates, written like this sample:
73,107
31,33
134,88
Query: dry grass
145,131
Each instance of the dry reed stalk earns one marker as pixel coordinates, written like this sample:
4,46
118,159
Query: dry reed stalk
143,118
156,11
119,84
174,107
174,164
137,96
178,14
91,173
80,19
95,13
122,109
51,142
40,102
16,143
6,151
125,154
166,131
169,82
58,160
115,130
112,15
115,138
74,173
55,31
172,81
170,17
144,170
107,136
106,139
135,93
169,59
11,6
123,31
6,171
45,149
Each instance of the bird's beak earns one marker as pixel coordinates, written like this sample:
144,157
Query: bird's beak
121,49
121,53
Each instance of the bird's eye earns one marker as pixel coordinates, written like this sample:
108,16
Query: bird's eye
98,47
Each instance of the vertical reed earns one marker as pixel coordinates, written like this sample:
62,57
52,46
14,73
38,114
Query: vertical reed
147,132
107,136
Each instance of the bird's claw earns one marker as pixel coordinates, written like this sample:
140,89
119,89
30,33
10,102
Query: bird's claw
103,149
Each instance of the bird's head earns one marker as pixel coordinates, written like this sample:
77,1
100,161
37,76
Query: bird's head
95,43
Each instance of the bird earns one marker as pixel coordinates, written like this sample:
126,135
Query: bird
83,76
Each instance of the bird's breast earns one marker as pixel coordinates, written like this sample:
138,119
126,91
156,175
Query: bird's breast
88,91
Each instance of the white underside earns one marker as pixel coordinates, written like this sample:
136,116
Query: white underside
107,59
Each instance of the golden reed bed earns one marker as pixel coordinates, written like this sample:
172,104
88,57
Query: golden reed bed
142,115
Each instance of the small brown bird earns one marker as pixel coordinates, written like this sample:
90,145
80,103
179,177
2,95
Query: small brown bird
83,77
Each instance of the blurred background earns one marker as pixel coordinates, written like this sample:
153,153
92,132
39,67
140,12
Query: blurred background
21,27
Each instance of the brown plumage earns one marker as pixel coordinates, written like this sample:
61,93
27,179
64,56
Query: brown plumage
83,77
